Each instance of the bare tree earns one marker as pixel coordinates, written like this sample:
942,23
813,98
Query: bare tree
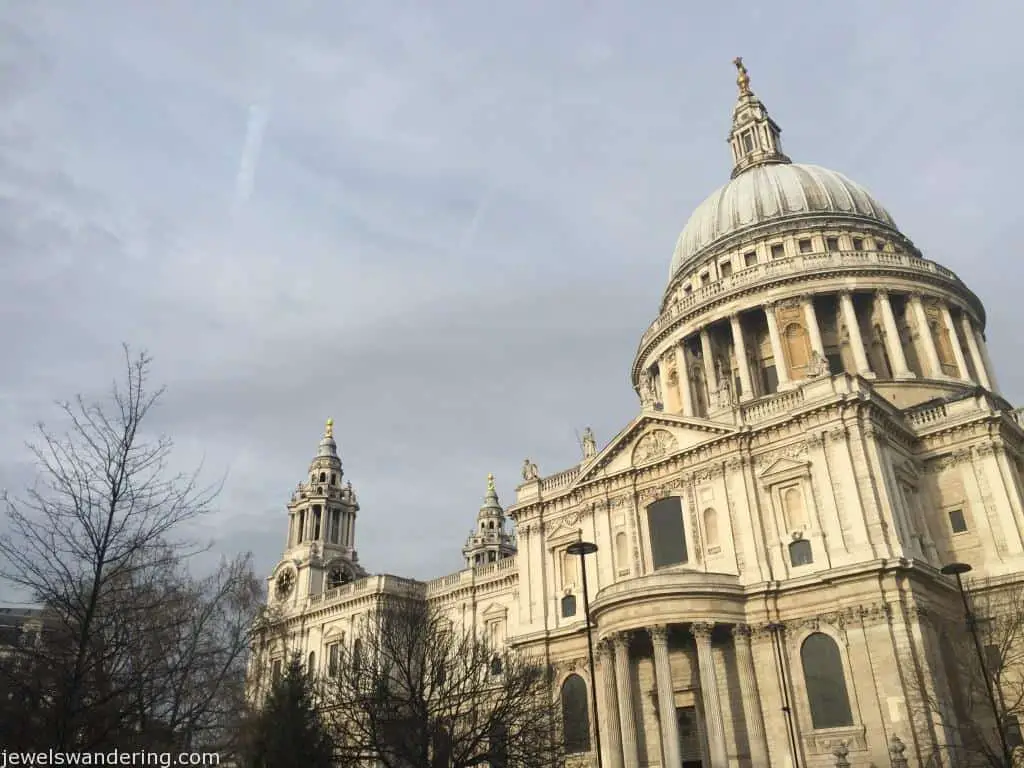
140,651
413,692
971,697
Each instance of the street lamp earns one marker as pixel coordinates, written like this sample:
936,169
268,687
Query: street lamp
584,548
958,570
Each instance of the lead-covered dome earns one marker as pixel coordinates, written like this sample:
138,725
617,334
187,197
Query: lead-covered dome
763,194
767,187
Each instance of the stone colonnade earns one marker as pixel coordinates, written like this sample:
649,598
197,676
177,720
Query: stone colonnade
619,718
970,360
323,523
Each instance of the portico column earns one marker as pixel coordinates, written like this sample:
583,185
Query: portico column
739,346
683,373
972,348
860,356
894,344
813,329
709,362
666,697
608,717
777,352
627,719
925,332
709,695
751,698
954,342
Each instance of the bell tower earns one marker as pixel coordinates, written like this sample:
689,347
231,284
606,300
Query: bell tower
490,541
320,551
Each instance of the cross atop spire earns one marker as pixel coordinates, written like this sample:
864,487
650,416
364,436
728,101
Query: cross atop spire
742,79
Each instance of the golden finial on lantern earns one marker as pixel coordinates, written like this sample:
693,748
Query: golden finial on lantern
329,429
742,79
490,482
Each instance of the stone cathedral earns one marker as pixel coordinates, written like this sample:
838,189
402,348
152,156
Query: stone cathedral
819,431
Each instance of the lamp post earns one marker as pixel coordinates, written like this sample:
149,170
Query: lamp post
584,548
958,570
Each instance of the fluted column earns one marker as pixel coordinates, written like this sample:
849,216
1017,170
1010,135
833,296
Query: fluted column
954,342
739,346
894,344
751,698
860,355
974,351
709,695
666,698
709,365
683,372
627,718
925,334
608,717
781,369
813,329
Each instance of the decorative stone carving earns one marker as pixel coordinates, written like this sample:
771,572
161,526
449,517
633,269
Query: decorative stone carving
654,445
530,471
701,630
589,444
648,390
659,633
742,631
818,366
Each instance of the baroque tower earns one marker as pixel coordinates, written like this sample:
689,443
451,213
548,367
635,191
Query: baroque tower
490,541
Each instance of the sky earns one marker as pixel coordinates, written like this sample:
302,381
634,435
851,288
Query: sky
445,225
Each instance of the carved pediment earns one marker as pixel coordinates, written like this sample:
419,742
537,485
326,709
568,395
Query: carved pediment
495,611
784,468
653,445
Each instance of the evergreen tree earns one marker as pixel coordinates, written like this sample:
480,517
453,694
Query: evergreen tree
287,730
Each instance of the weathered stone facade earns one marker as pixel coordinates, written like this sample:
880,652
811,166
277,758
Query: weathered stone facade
820,430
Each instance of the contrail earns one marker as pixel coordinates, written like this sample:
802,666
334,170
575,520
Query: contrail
246,179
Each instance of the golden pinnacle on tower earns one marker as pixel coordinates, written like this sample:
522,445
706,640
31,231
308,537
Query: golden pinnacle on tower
742,79
329,429
490,482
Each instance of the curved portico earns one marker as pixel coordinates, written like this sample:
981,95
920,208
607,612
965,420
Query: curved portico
677,619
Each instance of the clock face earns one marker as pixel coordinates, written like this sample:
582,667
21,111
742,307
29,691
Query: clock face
285,582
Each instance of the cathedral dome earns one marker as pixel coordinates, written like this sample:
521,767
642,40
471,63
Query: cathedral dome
770,193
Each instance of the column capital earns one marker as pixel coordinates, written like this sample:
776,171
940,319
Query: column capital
620,640
882,294
659,634
845,293
701,630
605,647
742,632
768,306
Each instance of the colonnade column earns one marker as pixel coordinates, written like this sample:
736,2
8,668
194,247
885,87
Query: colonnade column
894,345
608,717
813,329
627,720
989,370
683,374
666,697
739,346
860,356
777,352
709,363
972,347
925,332
709,695
751,698
954,342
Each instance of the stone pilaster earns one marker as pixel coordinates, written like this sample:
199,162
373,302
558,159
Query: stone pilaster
708,353
627,716
683,374
954,342
739,345
924,332
666,697
813,329
751,698
709,695
972,348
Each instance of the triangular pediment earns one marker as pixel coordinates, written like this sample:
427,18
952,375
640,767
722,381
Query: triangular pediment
495,610
784,466
649,439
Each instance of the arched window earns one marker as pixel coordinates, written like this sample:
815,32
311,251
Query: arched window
825,682
798,350
711,530
622,553
568,606
311,666
793,509
323,477
575,716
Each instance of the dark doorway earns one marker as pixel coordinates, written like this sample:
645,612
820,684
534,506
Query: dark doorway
690,751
